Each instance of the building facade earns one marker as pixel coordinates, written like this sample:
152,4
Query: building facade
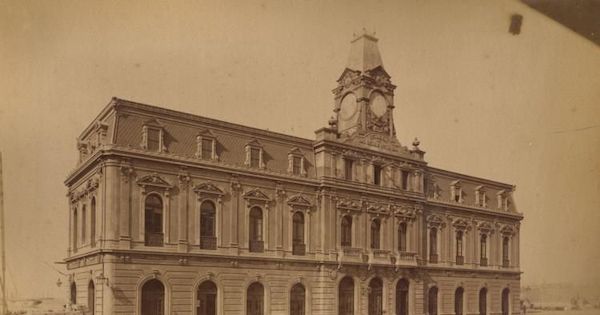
172,213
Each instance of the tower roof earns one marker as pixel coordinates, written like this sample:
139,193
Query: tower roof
364,53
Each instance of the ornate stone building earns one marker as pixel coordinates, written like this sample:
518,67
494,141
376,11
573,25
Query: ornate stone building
172,213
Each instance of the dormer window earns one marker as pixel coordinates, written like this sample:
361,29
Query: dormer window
503,200
456,190
153,141
153,136
296,162
206,146
404,179
480,197
348,169
377,169
254,154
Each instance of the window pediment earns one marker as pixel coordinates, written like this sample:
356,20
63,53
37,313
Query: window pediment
349,205
461,224
208,189
299,201
154,180
256,195
435,220
485,227
508,230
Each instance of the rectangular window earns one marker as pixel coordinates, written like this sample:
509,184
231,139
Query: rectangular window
255,157
153,139
296,165
377,174
404,178
348,168
207,149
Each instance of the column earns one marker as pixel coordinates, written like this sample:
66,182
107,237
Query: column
279,211
112,204
125,207
236,214
182,215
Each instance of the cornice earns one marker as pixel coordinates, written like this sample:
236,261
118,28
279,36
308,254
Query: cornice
433,171
340,145
190,162
470,209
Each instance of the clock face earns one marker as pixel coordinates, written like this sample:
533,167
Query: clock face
378,104
348,112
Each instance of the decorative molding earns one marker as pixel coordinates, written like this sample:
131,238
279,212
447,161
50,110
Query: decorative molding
208,189
154,180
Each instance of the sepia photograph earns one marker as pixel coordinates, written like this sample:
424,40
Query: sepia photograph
300,157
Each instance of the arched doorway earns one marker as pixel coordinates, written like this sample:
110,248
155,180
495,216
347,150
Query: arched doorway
207,299
432,303
255,299
153,298
91,297
298,300
483,301
506,301
376,297
402,297
346,297
458,301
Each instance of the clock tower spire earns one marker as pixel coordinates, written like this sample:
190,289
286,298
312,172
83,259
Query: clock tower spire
364,97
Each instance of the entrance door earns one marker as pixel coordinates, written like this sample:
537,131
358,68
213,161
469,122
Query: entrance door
153,298
402,297
376,297
207,299
297,300
255,299
346,297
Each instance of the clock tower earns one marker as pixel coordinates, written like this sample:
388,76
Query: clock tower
364,97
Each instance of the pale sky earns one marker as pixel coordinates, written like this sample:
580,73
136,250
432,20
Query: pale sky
519,109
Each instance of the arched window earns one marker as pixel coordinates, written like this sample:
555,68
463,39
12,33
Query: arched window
298,246
73,293
459,248
208,239
375,234
255,304
433,256
93,222
346,231
153,223
402,237
91,297
256,230
402,297
75,230
153,298
483,250
376,297
207,299
458,301
506,301
298,300
83,224
483,301
346,297
432,303
505,248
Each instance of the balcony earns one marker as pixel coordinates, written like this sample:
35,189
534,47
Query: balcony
433,258
460,260
505,263
299,249
483,261
208,242
154,239
257,246
351,251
